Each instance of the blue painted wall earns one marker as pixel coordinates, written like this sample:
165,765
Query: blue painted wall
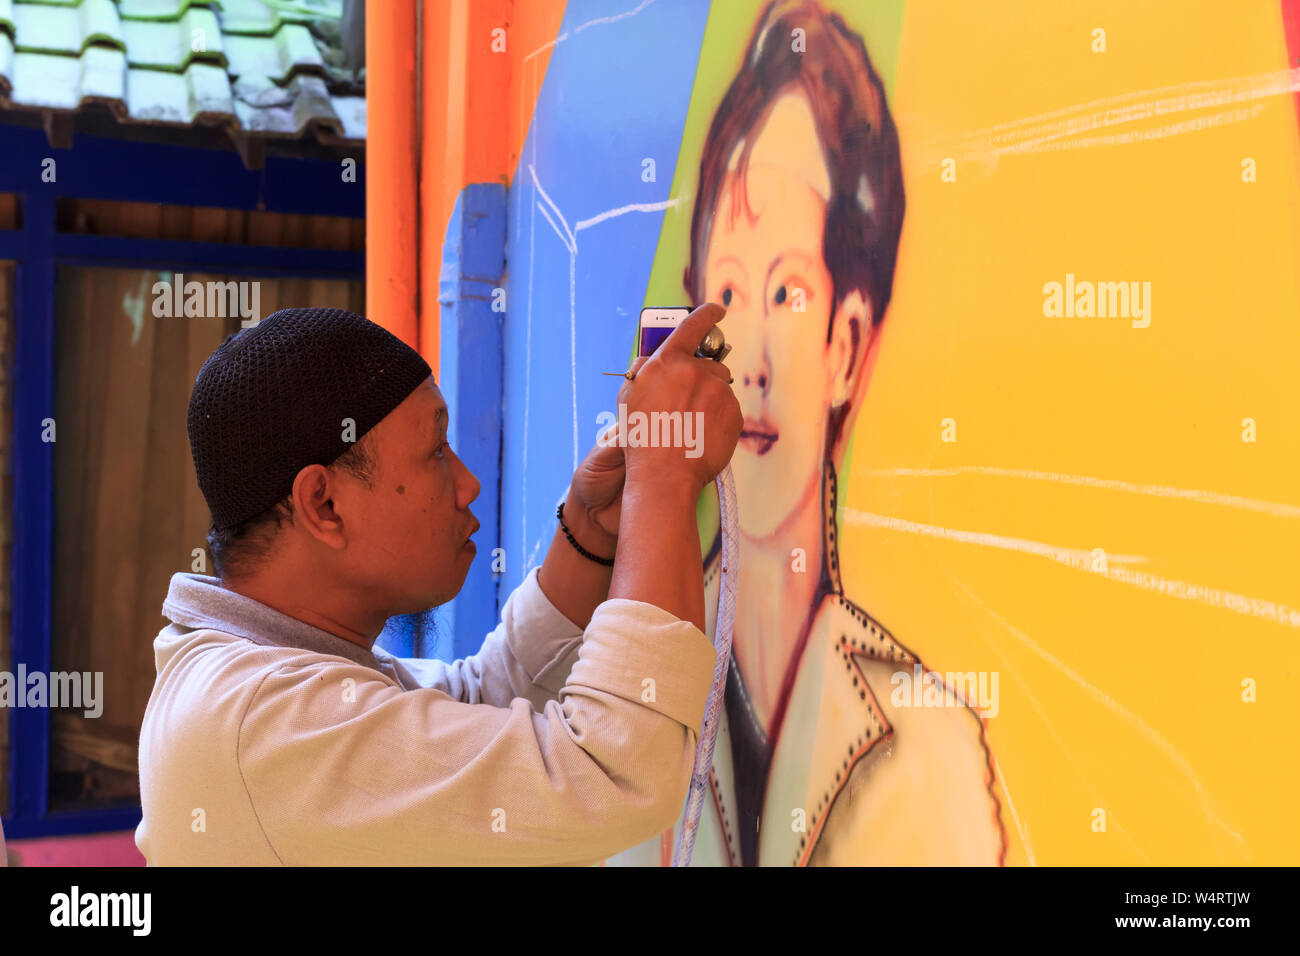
615,94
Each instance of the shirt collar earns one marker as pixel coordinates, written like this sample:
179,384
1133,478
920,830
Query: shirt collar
200,601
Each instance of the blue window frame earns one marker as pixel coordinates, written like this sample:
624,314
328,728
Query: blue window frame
98,168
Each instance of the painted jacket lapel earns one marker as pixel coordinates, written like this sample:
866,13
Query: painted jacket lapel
833,719
835,723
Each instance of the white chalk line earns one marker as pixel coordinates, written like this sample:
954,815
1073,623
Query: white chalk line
571,243
1080,559
570,240
528,340
558,232
1024,834
546,46
1224,118
573,347
1209,806
1097,799
621,210
1083,561
528,377
1043,132
1137,105
1042,715
1275,508
590,23
567,237
615,18
1051,729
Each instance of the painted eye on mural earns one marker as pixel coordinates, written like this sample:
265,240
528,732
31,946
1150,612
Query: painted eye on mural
730,295
793,292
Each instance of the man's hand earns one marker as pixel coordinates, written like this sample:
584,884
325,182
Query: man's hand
659,560
675,381
596,494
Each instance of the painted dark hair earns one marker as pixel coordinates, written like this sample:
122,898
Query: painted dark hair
864,215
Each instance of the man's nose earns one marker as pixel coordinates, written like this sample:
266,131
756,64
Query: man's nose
468,486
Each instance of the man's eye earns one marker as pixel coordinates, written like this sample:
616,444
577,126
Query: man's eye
726,296
780,295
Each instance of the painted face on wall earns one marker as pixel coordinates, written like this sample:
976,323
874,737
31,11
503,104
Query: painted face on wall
764,263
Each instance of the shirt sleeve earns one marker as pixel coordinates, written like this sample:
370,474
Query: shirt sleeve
528,655
344,767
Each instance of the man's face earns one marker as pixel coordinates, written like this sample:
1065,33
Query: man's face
764,263
408,534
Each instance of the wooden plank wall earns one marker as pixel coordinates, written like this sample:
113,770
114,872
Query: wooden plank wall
128,511
6,500
199,224
9,218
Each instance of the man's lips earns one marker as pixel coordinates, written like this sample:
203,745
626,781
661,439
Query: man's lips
472,533
758,435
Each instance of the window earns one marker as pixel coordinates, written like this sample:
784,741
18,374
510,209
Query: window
127,508
6,497
96,520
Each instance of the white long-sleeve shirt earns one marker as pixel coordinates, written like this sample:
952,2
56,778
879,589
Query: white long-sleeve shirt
268,741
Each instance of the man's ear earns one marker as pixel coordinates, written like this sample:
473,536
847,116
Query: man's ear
853,340
313,506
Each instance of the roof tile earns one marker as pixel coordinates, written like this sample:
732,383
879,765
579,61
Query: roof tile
254,66
275,57
6,64
41,28
66,82
252,17
160,9
202,91
174,44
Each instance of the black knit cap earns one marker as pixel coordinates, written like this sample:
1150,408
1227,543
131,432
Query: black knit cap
272,400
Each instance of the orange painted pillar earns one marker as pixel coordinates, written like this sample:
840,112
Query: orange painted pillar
474,68
464,82
442,121
392,162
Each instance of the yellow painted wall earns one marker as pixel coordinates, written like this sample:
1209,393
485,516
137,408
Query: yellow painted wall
1121,683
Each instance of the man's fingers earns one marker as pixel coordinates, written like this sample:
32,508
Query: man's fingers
688,336
609,437
632,370
718,369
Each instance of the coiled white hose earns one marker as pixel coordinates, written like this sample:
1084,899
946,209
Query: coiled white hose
723,628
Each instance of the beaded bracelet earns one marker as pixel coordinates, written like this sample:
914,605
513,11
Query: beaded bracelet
559,513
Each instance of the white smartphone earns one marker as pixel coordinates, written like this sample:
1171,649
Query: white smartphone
656,325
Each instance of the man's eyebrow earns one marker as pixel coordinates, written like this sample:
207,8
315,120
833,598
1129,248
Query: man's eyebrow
440,417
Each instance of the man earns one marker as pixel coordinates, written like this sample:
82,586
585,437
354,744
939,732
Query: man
277,733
